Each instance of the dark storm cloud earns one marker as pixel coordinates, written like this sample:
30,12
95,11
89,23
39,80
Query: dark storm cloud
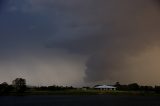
2,2
19,28
23,32
109,32
54,38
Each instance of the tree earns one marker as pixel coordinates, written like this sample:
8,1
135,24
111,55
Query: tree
157,89
146,88
4,88
133,86
117,84
19,84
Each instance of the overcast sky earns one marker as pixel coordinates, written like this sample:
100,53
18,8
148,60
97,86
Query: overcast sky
80,42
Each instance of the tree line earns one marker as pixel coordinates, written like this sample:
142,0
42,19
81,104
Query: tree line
19,86
53,88
137,87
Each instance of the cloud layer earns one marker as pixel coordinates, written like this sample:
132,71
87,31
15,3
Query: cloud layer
109,32
99,40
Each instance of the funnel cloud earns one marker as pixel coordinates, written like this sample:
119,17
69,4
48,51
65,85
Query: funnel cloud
110,32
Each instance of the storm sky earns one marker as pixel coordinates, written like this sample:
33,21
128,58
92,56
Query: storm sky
80,42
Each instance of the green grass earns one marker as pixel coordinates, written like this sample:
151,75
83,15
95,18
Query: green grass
90,92
86,92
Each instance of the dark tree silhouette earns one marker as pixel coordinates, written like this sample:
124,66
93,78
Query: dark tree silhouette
157,89
5,88
117,84
133,86
19,84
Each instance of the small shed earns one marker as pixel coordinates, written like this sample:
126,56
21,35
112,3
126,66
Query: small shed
105,87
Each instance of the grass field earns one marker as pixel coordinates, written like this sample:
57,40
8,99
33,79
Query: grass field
87,92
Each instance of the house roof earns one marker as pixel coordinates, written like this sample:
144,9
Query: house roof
105,86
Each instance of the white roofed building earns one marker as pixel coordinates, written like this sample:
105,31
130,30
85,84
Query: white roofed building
105,87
